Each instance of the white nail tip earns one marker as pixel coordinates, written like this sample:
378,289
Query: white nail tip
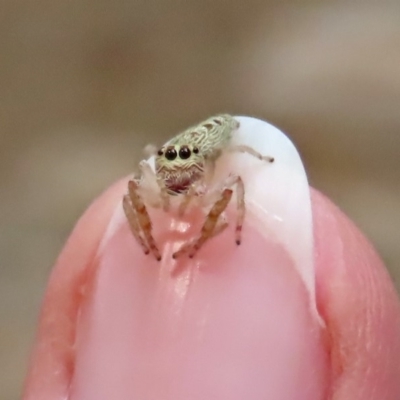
277,194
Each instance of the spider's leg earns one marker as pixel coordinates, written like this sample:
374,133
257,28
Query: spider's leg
134,223
221,225
149,173
210,223
242,148
240,204
143,217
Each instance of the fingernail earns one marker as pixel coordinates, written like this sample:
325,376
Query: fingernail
234,322
277,194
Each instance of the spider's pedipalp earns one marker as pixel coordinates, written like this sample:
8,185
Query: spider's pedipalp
148,173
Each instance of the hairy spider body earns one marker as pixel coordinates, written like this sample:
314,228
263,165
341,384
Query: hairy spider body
184,166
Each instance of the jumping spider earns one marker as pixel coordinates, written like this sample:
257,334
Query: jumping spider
184,167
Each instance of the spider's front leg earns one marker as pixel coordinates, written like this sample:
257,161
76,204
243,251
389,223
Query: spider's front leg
213,225
139,220
210,227
133,222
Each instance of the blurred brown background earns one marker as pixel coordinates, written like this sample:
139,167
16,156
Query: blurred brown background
85,84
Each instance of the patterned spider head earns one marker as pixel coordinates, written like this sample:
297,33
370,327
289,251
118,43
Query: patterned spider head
179,166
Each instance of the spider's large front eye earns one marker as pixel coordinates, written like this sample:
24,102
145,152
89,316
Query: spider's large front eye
184,152
170,154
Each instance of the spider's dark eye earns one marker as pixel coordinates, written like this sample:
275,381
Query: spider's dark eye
195,150
170,154
160,152
184,152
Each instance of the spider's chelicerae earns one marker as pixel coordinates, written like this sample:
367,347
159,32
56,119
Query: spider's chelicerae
184,167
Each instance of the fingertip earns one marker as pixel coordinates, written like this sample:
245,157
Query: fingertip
359,304
52,359
355,296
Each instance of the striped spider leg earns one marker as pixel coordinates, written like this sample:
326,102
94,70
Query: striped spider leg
139,220
215,221
152,187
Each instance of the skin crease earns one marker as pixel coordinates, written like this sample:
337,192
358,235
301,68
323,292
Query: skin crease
355,297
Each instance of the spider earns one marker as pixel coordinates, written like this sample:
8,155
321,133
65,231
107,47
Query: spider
184,167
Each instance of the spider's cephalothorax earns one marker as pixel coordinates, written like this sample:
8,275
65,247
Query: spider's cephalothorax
184,159
179,166
184,166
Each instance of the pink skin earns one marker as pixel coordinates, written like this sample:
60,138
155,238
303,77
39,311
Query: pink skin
229,332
